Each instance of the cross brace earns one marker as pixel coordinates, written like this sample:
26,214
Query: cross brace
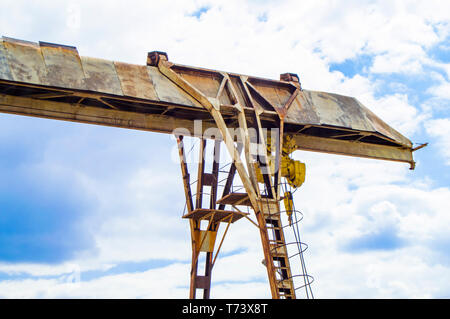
275,254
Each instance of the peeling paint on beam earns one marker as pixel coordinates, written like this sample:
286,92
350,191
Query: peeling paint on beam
353,148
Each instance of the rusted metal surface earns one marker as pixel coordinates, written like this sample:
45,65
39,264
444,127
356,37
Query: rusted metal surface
63,66
207,82
25,61
101,76
342,147
338,110
154,57
167,91
135,81
276,96
51,71
95,115
303,111
216,215
321,108
5,71
290,77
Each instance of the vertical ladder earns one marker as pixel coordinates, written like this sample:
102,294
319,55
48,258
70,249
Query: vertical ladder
277,249
203,239
276,257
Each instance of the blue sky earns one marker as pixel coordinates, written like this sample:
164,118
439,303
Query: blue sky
106,203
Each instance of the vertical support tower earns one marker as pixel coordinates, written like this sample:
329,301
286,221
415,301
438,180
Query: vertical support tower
259,170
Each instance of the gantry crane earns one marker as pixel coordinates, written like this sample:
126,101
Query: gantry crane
259,121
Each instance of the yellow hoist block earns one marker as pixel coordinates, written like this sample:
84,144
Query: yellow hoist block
294,171
288,205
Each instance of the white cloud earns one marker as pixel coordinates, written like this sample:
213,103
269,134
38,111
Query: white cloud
166,282
41,270
441,91
440,129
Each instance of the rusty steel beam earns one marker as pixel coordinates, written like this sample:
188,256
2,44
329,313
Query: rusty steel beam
353,148
93,87
99,116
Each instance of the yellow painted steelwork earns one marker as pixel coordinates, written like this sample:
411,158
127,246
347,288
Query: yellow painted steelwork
288,205
294,171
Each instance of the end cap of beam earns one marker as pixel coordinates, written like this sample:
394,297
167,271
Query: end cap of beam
56,45
290,77
154,57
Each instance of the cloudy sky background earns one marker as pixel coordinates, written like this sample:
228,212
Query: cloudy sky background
95,212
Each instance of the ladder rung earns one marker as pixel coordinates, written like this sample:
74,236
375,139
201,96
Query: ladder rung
236,199
271,220
218,215
284,294
284,285
281,267
278,243
277,240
